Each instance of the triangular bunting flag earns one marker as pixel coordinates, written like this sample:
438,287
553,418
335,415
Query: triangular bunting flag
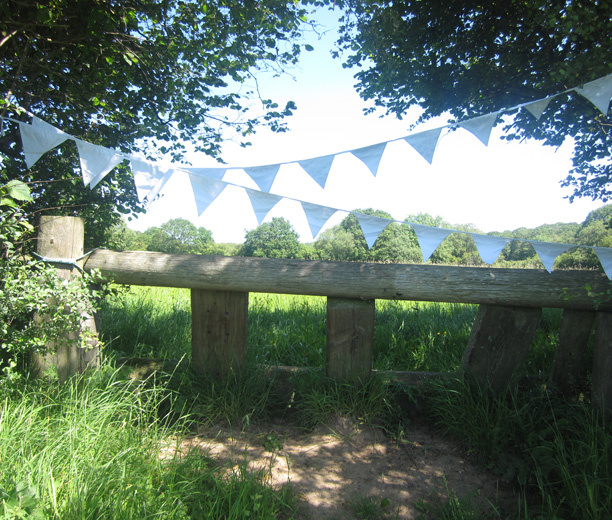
96,162
38,138
159,186
489,247
537,107
263,175
429,238
262,203
370,156
318,168
548,252
425,142
605,257
480,126
316,216
213,173
598,92
371,226
205,191
146,178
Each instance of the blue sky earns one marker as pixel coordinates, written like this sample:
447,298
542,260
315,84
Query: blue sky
500,187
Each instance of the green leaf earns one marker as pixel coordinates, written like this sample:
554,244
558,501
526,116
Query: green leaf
18,190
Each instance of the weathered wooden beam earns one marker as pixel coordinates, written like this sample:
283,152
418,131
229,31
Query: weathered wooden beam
350,339
573,337
62,238
512,287
602,365
499,342
218,331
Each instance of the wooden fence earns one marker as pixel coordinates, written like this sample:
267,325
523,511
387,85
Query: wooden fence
510,304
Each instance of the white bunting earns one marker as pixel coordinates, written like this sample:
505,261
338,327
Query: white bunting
429,238
263,175
213,173
489,247
146,178
318,168
205,191
371,226
605,257
598,92
38,138
548,252
370,156
96,162
160,185
425,142
316,216
480,126
262,203
537,107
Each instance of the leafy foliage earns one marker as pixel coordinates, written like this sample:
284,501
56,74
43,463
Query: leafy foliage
274,239
33,299
149,76
469,58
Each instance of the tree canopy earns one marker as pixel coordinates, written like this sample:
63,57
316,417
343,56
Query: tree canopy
274,239
469,58
135,75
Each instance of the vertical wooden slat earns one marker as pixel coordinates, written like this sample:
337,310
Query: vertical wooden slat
219,331
602,365
573,337
63,237
498,344
350,337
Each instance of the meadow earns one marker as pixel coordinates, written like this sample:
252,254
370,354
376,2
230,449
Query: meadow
90,448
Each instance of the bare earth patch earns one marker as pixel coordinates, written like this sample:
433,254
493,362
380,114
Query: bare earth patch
336,466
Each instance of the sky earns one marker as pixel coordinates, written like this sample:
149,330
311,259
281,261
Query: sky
499,187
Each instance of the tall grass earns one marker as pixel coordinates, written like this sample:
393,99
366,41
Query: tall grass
90,449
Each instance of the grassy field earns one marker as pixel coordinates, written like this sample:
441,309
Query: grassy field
89,449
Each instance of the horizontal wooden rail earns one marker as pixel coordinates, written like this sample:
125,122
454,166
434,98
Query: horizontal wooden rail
368,281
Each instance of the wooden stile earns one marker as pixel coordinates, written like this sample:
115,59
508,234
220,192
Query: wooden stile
63,238
350,338
218,331
602,365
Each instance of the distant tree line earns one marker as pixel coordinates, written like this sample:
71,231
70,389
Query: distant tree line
396,244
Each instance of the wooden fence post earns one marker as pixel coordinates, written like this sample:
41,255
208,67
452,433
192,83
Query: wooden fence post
602,365
499,342
573,337
218,331
350,337
63,238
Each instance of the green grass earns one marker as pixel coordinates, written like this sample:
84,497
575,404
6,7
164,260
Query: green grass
55,442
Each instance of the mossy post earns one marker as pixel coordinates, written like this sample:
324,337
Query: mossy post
218,331
63,238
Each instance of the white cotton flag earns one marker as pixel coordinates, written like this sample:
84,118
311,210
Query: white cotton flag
548,252
146,178
318,168
159,186
263,175
262,203
480,126
605,257
425,142
205,191
537,107
598,92
96,162
213,173
316,216
38,138
370,156
371,226
489,247
429,238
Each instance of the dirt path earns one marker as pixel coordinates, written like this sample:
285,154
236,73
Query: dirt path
340,470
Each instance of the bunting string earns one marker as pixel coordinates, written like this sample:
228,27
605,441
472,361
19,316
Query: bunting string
38,137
